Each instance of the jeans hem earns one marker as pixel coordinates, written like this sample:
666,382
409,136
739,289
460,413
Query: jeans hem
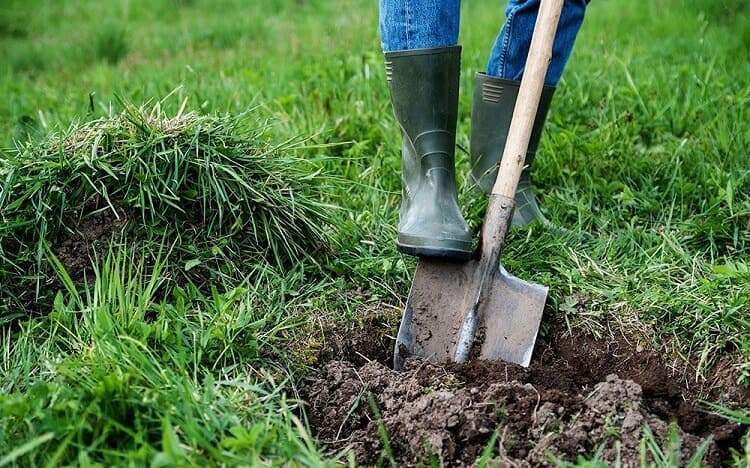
423,51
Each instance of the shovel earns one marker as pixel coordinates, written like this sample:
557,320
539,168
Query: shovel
460,311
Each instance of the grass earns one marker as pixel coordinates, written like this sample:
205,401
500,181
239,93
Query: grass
738,416
209,184
131,378
652,454
188,336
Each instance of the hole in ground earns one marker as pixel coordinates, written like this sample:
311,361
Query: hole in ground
580,394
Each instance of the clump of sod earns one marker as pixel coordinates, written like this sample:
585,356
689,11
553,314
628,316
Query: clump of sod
211,185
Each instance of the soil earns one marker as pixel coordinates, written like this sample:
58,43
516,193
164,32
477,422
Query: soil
580,395
77,247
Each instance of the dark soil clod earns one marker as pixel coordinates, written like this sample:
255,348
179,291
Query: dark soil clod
579,395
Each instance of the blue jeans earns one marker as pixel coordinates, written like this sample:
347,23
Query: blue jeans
421,24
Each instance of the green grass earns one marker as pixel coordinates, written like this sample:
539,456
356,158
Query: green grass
184,344
131,378
210,185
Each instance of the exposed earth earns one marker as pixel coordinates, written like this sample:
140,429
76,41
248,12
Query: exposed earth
580,396
76,248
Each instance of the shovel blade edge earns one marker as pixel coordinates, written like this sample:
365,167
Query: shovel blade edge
510,318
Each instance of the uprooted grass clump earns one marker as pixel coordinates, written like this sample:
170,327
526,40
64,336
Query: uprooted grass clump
211,184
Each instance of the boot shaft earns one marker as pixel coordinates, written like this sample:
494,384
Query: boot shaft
494,102
424,94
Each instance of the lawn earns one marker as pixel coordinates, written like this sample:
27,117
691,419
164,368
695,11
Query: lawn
198,203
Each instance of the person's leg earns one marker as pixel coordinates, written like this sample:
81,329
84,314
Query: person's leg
422,68
496,92
418,24
508,56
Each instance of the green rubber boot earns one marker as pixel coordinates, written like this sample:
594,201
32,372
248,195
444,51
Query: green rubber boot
494,101
424,93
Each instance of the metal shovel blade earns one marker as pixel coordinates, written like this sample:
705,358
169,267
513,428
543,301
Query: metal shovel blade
509,317
509,320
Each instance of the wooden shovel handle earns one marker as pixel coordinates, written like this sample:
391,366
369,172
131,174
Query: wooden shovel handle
540,55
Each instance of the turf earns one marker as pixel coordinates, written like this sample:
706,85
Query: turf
186,346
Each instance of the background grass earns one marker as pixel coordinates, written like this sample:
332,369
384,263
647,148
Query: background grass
644,161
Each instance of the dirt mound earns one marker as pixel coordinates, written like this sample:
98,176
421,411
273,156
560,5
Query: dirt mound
579,395
429,412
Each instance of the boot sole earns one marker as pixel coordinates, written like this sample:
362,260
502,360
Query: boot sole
447,250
